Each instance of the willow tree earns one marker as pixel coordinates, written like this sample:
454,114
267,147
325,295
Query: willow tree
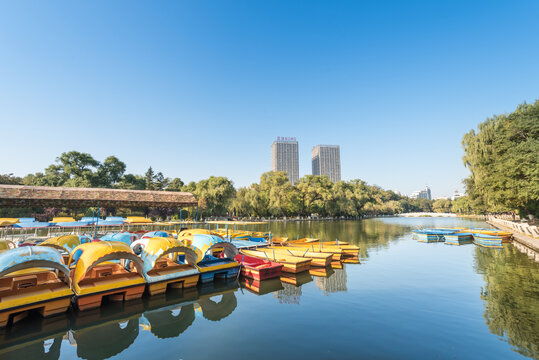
503,160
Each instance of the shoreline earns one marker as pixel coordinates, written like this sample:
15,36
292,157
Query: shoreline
525,244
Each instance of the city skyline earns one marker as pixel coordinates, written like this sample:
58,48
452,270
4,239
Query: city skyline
176,86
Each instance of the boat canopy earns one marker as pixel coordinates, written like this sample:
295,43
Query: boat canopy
26,224
63,219
190,232
87,256
152,234
8,221
152,249
205,243
125,237
6,245
27,257
135,220
66,242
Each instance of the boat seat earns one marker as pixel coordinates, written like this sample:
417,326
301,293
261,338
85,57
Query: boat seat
22,282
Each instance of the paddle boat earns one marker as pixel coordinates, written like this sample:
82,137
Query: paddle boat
124,236
31,223
66,243
490,241
32,279
167,263
505,235
105,268
159,233
258,269
426,236
292,264
6,245
458,238
336,253
8,221
317,258
138,220
190,232
210,266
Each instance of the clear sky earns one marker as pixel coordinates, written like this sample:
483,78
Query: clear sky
200,88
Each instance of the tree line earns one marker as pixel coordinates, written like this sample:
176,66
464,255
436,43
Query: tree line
273,196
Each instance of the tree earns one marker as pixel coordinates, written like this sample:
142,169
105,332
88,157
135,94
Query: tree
502,157
215,195
9,179
110,172
442,206
175,184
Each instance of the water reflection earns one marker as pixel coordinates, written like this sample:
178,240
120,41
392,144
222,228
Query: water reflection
109,330
511,295
334,283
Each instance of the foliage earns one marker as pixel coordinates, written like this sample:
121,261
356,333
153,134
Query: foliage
503,160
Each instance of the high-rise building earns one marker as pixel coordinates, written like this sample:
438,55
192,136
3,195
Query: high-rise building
422,194
326,160
284,157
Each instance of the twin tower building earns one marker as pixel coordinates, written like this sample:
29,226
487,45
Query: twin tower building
326,159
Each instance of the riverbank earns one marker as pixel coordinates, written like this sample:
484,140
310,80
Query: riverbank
524,243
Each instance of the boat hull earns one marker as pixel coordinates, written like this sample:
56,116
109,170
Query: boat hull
45,308
160,287
94,300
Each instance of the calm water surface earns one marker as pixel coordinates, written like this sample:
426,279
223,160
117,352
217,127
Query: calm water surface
405,300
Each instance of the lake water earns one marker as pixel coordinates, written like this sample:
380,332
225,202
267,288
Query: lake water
404,300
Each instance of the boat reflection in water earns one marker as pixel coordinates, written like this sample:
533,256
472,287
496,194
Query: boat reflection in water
262,287
107,331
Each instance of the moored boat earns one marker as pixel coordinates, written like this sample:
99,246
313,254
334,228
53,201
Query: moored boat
66,243
425,236
292,264
490,241
32,278
347,250
458,238
334,251
167,263
210,266
317,258
104,269
258,269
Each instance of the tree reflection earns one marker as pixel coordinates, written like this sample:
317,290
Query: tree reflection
511,295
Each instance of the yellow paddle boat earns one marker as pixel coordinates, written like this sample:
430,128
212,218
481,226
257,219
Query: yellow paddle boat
32,278
105,268
167,263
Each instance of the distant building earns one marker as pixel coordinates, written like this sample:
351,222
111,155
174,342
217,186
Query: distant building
422,194
326,160
284,157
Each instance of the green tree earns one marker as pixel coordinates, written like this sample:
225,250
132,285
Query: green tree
9,179
175,184
215,195
442,206
502,157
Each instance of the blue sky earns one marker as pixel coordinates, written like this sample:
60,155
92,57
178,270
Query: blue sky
200,88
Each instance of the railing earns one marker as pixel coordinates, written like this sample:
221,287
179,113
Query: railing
522,228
